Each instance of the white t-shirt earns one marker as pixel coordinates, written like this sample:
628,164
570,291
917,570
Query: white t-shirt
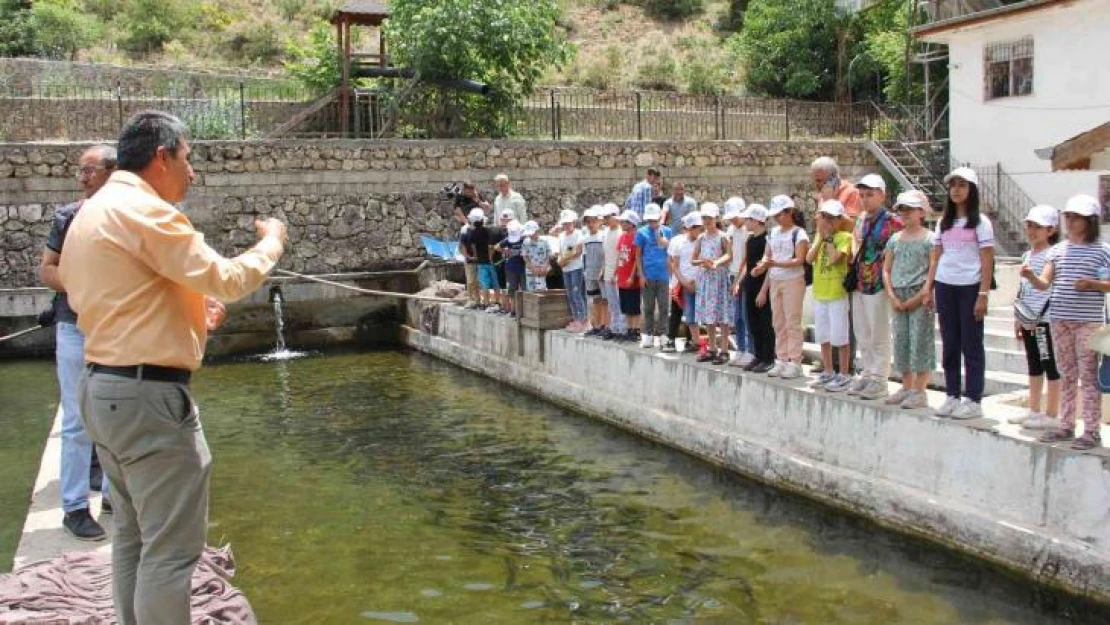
960,264
738,237
612,236
567,243
682,248
782,245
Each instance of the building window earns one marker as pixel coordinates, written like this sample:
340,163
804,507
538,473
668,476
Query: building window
1008,68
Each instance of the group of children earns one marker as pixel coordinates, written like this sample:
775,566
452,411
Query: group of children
741,275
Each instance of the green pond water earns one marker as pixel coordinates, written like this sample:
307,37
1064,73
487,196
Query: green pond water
391,487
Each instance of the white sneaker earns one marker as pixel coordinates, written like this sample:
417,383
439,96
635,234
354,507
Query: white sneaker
948,407
1018,420
791,371
899,397
734,359
732,342
746,359
646,341
1041,422
858,385
876,389
660,341
967,410
776,371
822,380
915,400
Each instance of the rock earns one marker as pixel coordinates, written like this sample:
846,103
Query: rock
645,159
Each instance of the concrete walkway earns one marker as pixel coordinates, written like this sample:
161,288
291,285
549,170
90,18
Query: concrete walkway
43,535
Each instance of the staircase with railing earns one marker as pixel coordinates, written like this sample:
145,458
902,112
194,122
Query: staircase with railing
905,151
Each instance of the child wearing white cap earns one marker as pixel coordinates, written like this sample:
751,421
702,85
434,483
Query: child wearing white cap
652,240
1078,271
829,257
574,278
537,258
905,272
713,309
753,277
1031,324
684,277
616,326
512,250
962,268
871,313
593,255
735,210
785,286
473,290
629,277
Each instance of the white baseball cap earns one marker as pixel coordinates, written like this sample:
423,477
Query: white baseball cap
872,181
757,212
732,213
593,211
691,219
1043,215
709,209
1084,205
611,209
515,231
780,203
631,217
567,216
652,212
912,199
735,203
966,173
832,208
531,228
476,214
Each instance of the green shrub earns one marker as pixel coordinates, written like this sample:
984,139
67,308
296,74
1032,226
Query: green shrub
61,31
254,42
315,64
147,25
658,72
16,36
673,9
705,76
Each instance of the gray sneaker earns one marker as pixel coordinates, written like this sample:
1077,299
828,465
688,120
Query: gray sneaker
914,400
839,383
1041,422
967,410
875,389
857,385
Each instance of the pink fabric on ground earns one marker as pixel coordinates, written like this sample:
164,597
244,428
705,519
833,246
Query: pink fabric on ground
76,589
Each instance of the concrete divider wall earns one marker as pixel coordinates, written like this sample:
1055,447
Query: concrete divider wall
1034,508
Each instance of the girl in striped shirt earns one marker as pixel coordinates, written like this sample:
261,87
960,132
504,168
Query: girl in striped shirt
1078,272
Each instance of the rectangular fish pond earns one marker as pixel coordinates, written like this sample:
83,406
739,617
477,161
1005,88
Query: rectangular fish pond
392,487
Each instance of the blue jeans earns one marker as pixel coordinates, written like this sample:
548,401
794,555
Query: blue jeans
744,342
77,448
575,282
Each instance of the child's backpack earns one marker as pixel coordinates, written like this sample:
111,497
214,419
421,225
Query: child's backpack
806,265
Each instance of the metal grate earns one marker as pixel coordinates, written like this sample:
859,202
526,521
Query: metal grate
1008,68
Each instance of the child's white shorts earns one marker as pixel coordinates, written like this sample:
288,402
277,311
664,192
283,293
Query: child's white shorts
831,321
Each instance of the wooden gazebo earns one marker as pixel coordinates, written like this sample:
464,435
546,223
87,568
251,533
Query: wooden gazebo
370,13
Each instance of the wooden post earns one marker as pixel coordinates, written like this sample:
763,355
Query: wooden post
345,75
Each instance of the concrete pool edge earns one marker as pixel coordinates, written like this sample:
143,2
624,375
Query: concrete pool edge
999,522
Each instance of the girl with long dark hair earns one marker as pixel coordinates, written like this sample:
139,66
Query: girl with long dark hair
960,271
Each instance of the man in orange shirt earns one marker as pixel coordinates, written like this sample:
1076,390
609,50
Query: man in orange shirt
827,181
147,290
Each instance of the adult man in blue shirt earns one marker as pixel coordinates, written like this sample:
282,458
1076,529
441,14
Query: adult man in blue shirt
653,239
642,193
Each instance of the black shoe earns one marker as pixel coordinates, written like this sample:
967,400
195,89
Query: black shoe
96,479
606,335
106,507
668,346
721,359
82,526
763,367
751,365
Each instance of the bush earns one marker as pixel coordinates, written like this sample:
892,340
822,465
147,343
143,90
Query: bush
212,120
254,42
147,25
16,36
673,9
61,31
603,73
659,72
705,76
316,64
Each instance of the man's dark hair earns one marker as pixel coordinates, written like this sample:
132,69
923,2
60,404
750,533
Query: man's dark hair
143,134
653,171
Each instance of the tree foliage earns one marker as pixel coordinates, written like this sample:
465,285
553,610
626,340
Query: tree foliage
672,9
315,64
147,25
507,45
60,30
16,36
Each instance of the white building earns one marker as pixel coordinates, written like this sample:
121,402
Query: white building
1026,76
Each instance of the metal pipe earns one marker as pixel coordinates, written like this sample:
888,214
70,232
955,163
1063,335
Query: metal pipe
20,333
357,289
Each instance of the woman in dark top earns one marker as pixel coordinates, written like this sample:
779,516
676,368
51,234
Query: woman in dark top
759,315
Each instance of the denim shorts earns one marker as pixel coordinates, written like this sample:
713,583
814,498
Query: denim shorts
487,277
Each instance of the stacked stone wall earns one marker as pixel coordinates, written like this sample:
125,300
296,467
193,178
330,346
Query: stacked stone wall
360,205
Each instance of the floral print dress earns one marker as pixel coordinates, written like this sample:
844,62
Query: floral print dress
712,303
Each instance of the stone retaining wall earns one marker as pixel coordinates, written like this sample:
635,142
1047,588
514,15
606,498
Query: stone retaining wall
357,205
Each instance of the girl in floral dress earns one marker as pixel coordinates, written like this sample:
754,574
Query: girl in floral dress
713,307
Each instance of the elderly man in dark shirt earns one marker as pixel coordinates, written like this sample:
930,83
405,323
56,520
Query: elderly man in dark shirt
94,167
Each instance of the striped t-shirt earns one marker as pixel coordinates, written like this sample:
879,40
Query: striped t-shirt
1030,295
1071,262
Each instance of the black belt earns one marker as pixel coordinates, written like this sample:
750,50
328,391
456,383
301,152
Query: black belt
153,373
